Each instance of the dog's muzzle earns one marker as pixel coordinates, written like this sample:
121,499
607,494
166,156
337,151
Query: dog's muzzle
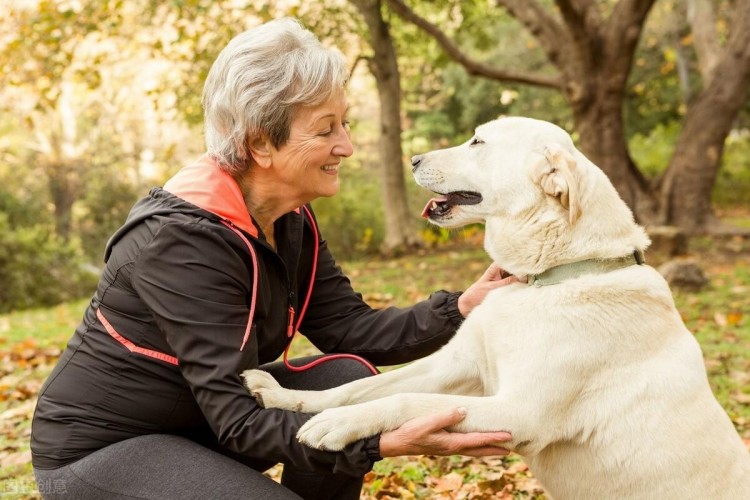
416,160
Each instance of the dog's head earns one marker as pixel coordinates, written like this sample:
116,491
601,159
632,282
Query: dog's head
543,202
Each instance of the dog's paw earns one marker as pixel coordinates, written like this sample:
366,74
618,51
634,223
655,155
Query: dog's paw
335,428
267,391
257,382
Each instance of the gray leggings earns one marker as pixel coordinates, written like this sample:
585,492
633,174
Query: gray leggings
164,467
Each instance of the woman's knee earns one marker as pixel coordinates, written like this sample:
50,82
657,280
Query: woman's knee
327,372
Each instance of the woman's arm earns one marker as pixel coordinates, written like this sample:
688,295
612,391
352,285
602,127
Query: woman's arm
339,320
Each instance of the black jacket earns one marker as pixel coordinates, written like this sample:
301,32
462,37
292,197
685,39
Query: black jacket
192,295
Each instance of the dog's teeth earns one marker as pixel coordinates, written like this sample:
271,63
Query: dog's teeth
434,205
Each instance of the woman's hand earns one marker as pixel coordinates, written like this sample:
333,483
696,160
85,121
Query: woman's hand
493,277
427,436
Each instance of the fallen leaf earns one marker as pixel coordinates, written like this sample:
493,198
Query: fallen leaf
25,410
517,467
451,482
529,485
741,377
734,318
494,485
20,458
720,319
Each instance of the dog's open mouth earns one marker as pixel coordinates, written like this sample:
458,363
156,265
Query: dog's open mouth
441,205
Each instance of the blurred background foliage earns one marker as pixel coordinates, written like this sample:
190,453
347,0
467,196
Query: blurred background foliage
100,101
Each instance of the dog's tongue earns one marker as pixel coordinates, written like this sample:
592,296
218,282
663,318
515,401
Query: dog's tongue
428,207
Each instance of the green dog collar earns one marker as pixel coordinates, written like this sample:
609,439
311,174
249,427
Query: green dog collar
564,272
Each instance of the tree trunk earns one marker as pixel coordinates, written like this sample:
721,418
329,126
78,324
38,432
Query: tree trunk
63,191
683,71
692,171
602,139
596,65
400,228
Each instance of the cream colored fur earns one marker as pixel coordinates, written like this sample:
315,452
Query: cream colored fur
598,380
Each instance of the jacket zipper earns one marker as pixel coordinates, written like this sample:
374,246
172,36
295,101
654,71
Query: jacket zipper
290,325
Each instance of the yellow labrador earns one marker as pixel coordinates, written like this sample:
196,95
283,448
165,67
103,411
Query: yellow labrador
588,364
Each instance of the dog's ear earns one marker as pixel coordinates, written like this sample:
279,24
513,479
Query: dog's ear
558,175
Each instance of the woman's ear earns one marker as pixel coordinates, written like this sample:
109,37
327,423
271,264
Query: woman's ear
260,150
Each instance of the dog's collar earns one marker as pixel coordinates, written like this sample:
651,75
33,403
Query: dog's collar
558,274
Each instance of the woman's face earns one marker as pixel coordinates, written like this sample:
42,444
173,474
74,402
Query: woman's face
308,164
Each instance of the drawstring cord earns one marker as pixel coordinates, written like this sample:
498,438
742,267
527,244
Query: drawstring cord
292,328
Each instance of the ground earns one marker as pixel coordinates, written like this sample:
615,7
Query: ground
719,315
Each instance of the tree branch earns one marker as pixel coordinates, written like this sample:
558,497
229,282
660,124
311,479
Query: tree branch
550,33
734,59
738,43
472,66
705,39
359,59
623,29
584,15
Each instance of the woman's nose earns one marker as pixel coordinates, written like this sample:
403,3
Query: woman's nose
343,146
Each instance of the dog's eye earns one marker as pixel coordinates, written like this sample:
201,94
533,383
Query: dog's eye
476,140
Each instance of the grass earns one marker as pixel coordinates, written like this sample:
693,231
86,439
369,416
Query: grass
47,327
720,318
719,315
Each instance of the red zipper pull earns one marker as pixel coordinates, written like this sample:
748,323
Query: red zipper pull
290,326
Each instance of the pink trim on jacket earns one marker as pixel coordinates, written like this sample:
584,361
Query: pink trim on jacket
255,281
131,346
303,310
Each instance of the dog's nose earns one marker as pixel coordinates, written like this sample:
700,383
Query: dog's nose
416,161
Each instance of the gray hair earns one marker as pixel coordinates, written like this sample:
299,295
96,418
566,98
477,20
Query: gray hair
257,82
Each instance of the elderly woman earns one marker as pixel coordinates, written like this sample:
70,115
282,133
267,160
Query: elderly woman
212,275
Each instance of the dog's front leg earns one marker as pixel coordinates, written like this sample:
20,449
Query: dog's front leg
425,375
335,428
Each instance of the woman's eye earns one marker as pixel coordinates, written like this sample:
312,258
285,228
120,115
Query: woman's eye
476,140
327,132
